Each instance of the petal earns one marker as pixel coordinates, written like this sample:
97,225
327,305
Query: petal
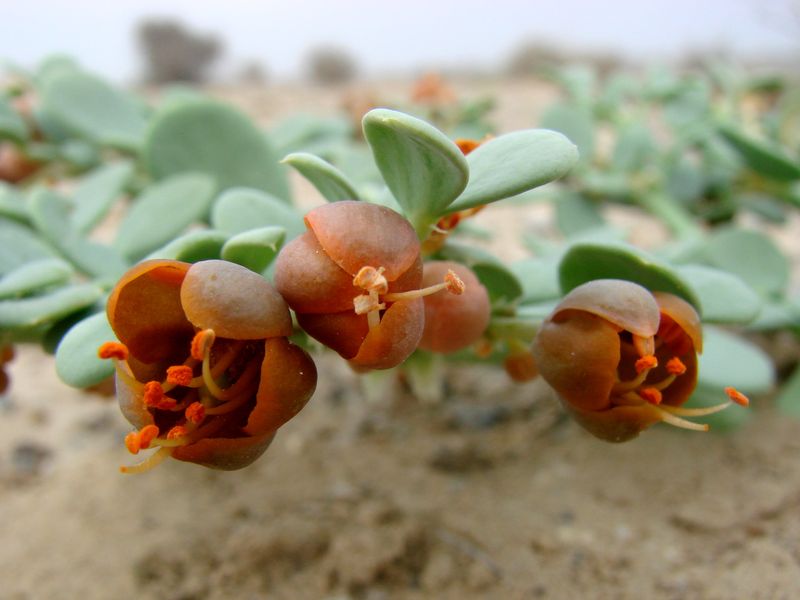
233,301
310,281
288,380
619,424
627,305
395,338
684,315
131,403
227,454
453,322
578,356
145,312
343,332
357,234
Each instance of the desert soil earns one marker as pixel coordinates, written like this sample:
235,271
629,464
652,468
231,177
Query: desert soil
490,493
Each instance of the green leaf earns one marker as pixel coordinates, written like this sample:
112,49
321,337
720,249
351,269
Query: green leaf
574,122
11,124
241,209
254,249
763,158
20,246
192,247
421,166
539,278
501,283
12,204
299,132
635,148
207,136
34,276
77,363
514,163
730,360
163,211
50,214
588,261
89,107
788,400
576,213
724,298
750,255
97,192
37,310
329,181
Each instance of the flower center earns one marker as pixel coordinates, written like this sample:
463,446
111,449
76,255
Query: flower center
641,357
373,282
189,403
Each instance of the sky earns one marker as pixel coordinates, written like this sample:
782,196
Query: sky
395,36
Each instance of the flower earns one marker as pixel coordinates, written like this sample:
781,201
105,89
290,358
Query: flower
622,358
204,370
453,321
353,281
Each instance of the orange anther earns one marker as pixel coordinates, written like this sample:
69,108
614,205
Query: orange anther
467,146
133,442
146,435
153,393
180,375
176,432
371,279
675,366
366,303
454,283
737,396
195,413
201,343
113,350
651,395
646,363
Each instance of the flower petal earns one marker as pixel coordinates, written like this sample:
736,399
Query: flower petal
145,311
684,315
227,454
357,234
343,332
627,305
233,301
395,338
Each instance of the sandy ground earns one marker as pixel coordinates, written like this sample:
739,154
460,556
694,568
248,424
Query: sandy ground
491,493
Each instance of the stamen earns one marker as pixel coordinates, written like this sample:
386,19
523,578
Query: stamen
151,461
737,396
671,419
147,434
154,397
195,413
113,350
201,343
452,283
177,432
133,442
651,395
180,375
696,412
366,303
644,345
371,279
646,363
675,366
632,384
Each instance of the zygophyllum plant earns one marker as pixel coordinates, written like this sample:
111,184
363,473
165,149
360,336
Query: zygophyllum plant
212,269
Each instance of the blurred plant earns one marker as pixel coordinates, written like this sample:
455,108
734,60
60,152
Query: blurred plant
174,53
331,65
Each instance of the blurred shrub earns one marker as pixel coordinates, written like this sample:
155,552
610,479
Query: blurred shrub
531,58
173,53
330,65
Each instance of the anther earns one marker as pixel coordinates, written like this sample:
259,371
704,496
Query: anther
466,145
737,396
133,442
675,366
177,432
195,413
651,395
454,283
113,350
180,375
201,343
371,279
154,397
147,434
646,363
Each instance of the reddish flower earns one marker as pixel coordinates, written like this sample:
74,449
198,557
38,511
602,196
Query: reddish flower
204,370
353,281
453,321
622,358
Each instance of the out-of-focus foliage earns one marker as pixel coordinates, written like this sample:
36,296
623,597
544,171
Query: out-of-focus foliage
173,53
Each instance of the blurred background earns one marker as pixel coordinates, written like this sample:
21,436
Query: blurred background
245,40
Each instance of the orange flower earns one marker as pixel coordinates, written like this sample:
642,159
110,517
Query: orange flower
353,281
622,358
204,370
